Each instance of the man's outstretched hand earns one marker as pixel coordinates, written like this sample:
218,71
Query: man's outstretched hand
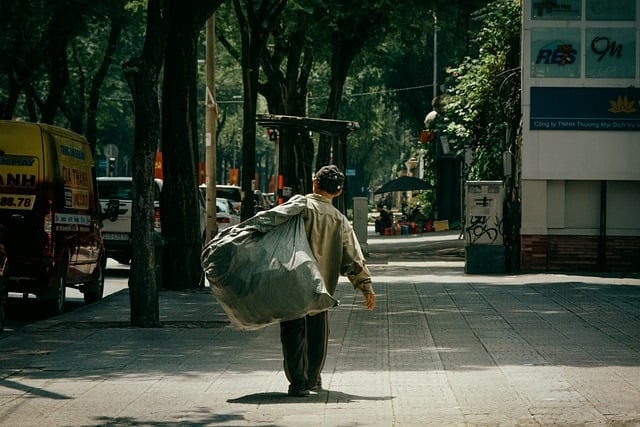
369,300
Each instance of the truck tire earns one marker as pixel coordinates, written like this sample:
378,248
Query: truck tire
4,287
54,301
3,303
94,290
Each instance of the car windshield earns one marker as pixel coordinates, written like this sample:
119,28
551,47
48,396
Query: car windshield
228,193
221,206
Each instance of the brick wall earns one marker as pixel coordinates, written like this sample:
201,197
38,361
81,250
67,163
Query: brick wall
578,253
623,253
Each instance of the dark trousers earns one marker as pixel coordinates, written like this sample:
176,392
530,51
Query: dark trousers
304,347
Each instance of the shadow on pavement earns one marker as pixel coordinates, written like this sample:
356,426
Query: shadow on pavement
323,396
206,420
33,391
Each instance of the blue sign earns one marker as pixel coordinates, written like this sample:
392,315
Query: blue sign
585,108
555,52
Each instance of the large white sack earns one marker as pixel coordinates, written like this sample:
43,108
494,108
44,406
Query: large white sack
262,271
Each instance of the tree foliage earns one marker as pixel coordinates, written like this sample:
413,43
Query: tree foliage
60,63
485,95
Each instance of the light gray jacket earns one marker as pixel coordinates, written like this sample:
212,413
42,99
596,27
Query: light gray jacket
331,238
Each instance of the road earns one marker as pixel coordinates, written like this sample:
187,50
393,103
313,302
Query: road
22,312
446,245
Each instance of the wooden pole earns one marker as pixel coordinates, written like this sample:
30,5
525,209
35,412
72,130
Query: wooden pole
211,122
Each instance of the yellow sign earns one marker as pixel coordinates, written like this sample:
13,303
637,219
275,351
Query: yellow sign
17,201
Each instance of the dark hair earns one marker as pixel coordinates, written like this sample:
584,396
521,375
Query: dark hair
330,179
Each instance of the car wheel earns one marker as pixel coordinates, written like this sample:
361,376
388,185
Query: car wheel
94,290
54,302
3,290
3,303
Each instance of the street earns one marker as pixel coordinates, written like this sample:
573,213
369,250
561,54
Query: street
21,312
441,348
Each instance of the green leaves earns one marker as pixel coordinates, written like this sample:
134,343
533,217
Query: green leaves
476,115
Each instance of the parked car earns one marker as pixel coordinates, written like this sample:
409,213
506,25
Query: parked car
226,215
117,232
50,214
230,192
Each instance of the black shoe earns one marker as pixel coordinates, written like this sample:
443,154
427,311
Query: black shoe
315,388
298,392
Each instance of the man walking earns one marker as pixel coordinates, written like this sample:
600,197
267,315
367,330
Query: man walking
337,251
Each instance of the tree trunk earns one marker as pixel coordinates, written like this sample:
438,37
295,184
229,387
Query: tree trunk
286,93
12,100
341,60
180,206
142,75
59,77
255,22
60,30
250,89
98,79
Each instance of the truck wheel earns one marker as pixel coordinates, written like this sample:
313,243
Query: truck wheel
94,290
3,294
54,302
3,304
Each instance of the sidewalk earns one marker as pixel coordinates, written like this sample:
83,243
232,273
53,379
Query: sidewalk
442,348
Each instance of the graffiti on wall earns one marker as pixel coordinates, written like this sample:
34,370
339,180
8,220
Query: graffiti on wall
484,229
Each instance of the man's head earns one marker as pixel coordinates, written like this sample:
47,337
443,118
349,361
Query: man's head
330,179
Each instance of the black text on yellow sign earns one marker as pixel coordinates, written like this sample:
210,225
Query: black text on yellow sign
17,201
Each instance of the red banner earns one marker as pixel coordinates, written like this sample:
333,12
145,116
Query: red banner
157,170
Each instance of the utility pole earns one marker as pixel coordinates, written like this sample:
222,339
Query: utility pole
435,55
211,123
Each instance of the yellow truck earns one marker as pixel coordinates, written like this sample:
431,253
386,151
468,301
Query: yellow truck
49,214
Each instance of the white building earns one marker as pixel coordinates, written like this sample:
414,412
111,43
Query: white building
580,180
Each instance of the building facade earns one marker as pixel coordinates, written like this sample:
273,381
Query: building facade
580,172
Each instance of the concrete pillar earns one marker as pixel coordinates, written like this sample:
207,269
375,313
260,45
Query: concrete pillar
360,220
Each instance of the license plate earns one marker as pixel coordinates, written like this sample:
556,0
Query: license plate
17,201
115,236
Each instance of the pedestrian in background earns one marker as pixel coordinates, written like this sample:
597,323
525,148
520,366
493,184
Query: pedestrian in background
337,251
383,220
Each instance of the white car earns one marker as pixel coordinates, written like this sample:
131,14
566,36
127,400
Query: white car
232,193
225,215
117,234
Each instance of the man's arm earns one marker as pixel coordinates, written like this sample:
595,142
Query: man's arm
355,268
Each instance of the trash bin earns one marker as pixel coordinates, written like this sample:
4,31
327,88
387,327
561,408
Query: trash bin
158,246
